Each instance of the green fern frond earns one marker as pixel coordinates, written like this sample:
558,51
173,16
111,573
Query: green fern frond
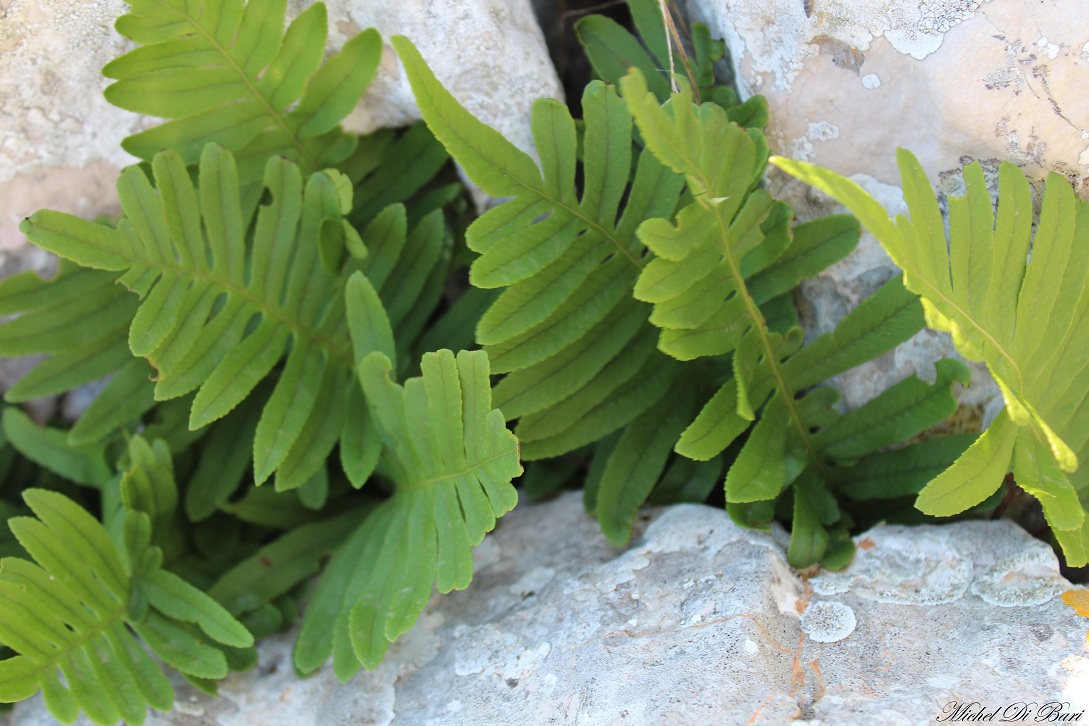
577,348
713,268
217,316
50,449
67,618
1026,318
227,72
451,461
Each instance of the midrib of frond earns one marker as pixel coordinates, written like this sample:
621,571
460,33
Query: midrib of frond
278,118
693,169
434,481
342,354
772,360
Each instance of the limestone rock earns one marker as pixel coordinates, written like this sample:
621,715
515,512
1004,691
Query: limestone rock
698,622
849,81
60,139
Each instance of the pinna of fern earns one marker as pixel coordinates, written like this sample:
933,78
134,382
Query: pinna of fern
1015,300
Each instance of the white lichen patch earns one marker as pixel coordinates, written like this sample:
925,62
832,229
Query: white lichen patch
870,81
828,621
1049,49
489,651
1028,578
771,40
908,566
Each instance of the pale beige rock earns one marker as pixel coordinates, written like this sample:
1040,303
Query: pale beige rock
698,622
849,81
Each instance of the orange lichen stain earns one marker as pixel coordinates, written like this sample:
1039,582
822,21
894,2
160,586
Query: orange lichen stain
816,666
802,604
1079,600
866,544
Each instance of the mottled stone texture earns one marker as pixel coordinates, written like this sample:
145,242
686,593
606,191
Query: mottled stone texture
698,622
60,139
849,81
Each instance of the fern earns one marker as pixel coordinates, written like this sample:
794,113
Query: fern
1025,318
451,461
67,618
227,72
217,317
573,337
86,341
574,344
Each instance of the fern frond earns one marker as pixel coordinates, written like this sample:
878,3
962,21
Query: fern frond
1026,317
229,73
451,461
612,50
713,268
67,618
216,316
573,342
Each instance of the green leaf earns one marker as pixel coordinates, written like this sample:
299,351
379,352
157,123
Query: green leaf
901,472
79,317
612,50
1027,319
229,326
637,462
281,565
234,77
148,486
495,164
975,475
69,618
451,460
899,413
223,463
808,536
127,397
566,254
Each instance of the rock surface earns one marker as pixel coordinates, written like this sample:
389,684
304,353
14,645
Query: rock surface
60,139
849,81
698,622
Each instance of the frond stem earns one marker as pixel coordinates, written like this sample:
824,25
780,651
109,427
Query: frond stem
761,327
